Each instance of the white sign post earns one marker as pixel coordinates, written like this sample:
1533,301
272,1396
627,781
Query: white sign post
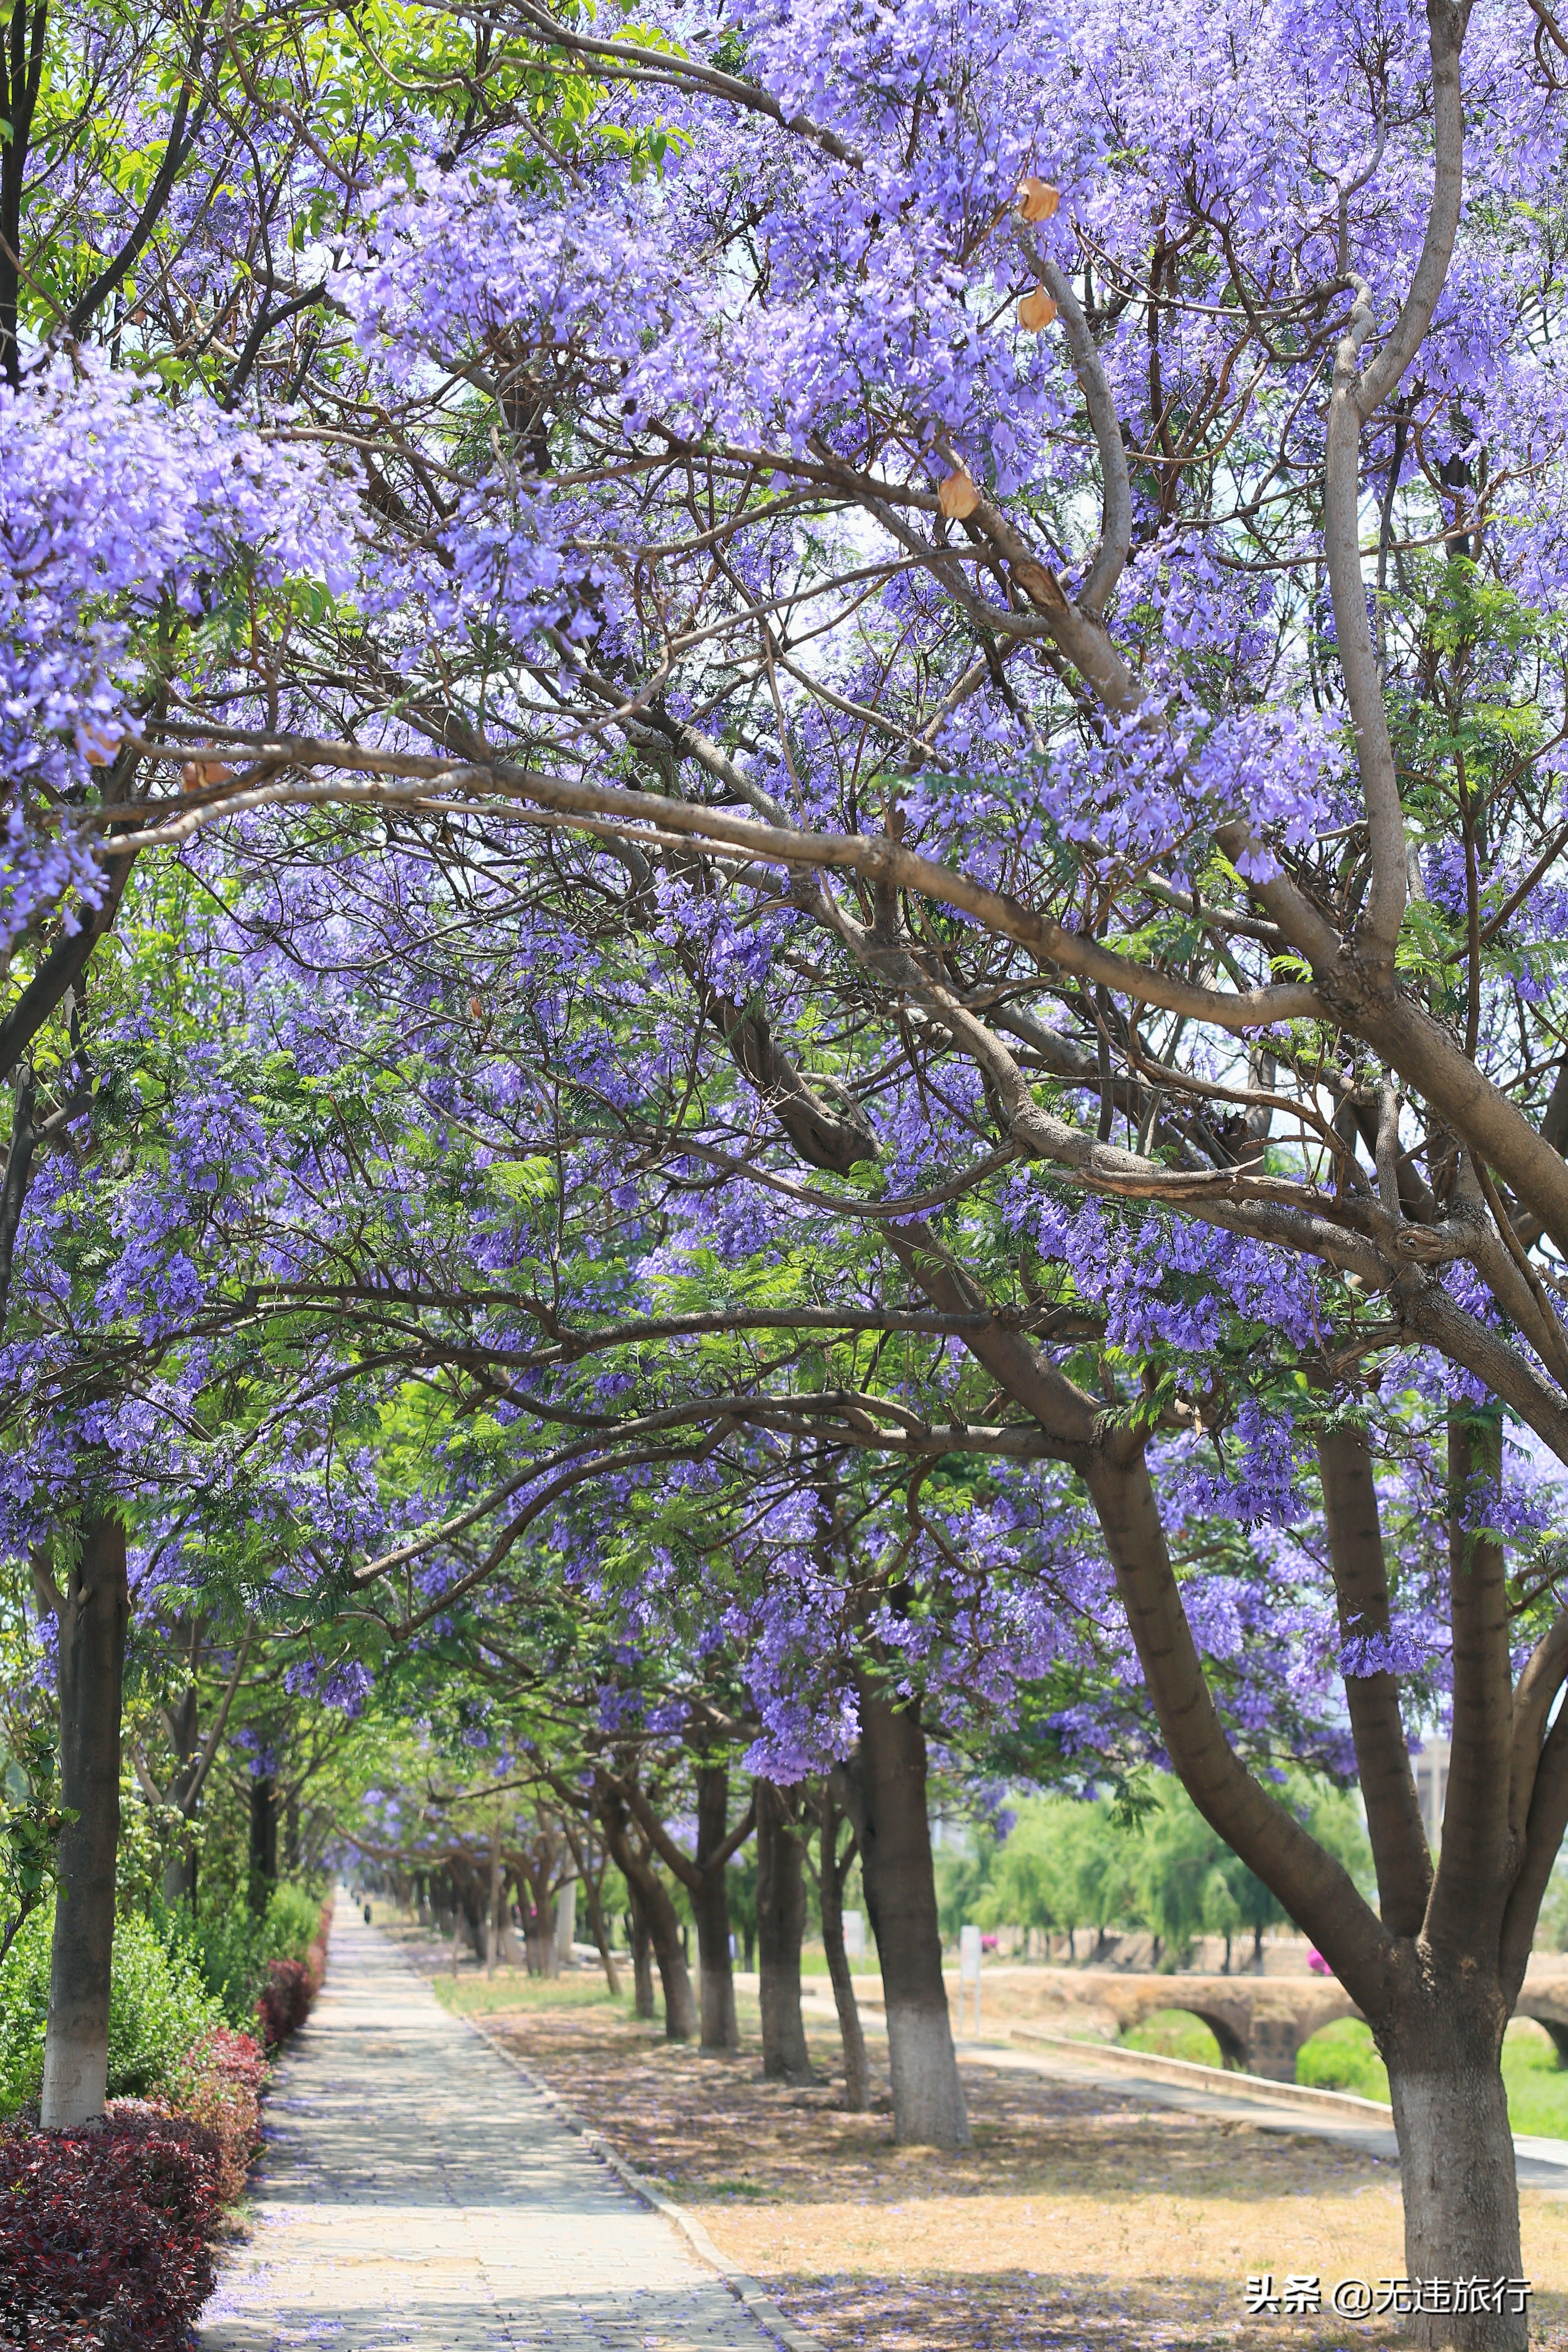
854,1936
969,1972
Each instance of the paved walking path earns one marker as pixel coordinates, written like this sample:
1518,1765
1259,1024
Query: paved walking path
416,2192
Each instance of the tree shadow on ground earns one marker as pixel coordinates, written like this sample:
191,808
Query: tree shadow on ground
1080,2218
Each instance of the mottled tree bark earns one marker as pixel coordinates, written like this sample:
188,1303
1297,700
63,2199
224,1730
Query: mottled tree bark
886,1785
263,1840
703,1877
833,1873
93,1616
657,1912
708,1889
1442,2041
781,1926
180,1870
643,2003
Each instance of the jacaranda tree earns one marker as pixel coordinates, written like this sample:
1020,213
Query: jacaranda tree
935,721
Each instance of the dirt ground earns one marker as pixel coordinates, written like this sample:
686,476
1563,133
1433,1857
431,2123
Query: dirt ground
1079,2221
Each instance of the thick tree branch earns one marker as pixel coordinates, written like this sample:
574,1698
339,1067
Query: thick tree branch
1317,1891
877,859
1544,1673
1399,1848
1479,1853
1544,1827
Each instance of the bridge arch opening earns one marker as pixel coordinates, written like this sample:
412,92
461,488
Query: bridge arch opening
1342,2056
1523,2027
1180,2030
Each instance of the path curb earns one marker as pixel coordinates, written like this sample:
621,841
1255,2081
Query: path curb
1303,2096
742,2286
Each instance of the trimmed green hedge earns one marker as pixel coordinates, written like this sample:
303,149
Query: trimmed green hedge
234,1948
158,2007
173,1982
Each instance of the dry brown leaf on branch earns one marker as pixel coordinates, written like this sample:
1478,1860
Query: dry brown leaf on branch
197,772
1037,200
958,497
98,745
1037,311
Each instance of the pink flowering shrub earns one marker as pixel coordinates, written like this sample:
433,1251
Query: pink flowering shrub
105,2235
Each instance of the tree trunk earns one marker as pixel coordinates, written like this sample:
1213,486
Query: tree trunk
889,1780
711,1904
781,1924
470,1910
492,1920
835,1871
600,1932
642,1963
263,1840
92,1617
180,1870
651,1898
680,2019
1442,2046
565,1925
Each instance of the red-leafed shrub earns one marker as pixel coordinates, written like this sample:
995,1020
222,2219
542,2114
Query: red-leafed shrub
104,2235
284,2001
239,2058
220,2084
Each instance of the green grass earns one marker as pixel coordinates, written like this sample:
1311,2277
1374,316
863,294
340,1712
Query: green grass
472,1996
813,1963
1174,2033
1341,2057
1537,2085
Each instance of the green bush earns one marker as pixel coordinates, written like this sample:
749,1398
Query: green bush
291,1920
158,2007
23,2001
232,1949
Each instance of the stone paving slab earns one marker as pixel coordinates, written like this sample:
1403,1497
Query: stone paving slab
415,2192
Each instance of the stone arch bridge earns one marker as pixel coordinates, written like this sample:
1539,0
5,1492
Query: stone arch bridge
1260,2022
